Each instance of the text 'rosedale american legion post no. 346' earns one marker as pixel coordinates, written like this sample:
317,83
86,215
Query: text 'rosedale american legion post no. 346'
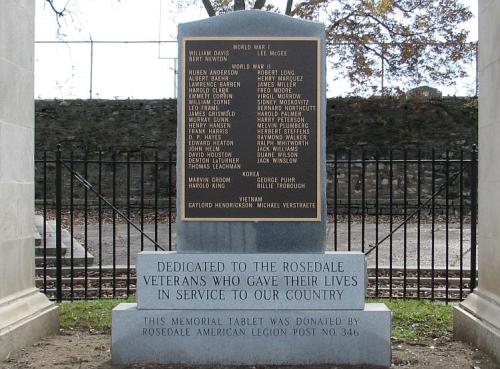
250,282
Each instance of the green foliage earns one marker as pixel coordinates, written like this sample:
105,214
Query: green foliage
413,320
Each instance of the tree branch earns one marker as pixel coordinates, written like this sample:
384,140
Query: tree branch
341,20
209,8
58,13
239,5
259,4
417,5
288,10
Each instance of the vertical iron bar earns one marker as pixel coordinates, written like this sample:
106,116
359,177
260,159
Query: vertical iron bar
128,224
433,223
58,224
405,228
45,221
99,216
473,217
335,198
376,222
71,225
91,83
114,220
461,224
447,246
390,220
363,200
156,199
86,220
349,164
170,200
142,199
419,197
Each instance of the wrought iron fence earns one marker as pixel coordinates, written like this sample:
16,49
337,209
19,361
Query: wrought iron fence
413,213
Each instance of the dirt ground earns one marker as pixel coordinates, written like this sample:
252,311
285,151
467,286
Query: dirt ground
86,350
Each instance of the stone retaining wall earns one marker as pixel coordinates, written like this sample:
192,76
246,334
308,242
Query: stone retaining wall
374,125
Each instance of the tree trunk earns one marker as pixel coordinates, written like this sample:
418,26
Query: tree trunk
239,5
209,8
288,7
259,4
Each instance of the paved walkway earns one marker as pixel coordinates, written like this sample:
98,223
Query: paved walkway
412,250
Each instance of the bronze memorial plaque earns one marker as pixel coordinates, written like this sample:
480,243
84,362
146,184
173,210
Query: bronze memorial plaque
250,129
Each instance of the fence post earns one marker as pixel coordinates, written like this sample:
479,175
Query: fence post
473,217
58,224
170,200
91,82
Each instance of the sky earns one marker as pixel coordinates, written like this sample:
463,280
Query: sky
134,70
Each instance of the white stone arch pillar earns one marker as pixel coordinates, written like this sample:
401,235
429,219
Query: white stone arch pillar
477,318
25,313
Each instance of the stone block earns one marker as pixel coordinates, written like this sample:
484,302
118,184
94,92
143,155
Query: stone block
17,265
489,34
13,152
16,43
477,320
25,317
252,337
488,106
17,204
254,236
171,280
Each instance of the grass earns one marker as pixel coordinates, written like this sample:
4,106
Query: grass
415,321
91,315
419,320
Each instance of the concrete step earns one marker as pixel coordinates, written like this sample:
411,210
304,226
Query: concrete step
48,252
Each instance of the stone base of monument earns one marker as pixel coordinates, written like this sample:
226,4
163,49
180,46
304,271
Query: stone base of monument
25,317
251,309
477,320
251,337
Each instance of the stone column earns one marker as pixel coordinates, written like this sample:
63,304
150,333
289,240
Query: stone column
477,319
25,313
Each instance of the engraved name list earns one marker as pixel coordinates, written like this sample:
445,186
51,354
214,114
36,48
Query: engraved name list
250,129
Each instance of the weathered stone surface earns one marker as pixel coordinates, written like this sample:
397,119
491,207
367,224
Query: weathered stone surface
25,317
252,337
334,280
375,124
25,313
477,318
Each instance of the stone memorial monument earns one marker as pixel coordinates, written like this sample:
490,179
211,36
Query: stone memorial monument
251,282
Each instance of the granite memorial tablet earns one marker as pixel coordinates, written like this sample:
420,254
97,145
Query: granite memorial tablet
250,128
